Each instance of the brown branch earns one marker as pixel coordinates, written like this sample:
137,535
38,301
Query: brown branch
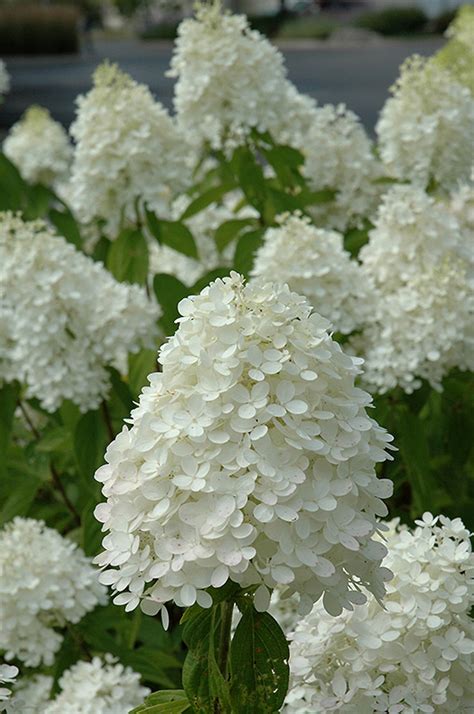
55,476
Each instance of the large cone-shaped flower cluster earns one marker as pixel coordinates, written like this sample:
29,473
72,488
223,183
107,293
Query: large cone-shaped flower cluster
415,654
250,457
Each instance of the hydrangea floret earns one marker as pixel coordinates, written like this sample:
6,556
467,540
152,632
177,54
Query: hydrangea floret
412,655
46,581
314,263
250,457
8,674
39,147
128,150
64,318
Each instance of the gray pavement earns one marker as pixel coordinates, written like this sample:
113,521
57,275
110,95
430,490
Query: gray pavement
359,76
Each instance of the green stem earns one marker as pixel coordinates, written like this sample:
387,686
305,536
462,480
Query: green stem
227,609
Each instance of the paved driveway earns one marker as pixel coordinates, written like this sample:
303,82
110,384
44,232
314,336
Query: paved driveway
358,76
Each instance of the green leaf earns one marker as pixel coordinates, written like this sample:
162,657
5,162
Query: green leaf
168,701
55,439
20,497
326,195
286,162
208,278
229,230
127,258
8,401
169,291
245,250
259,664
174,234
414,451
251,178
121,390
212,195
89,445
356,238
140,365
13,189
38,201
91,534
66,226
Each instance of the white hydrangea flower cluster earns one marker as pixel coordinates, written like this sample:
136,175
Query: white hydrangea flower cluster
8,674
250,457
4,80
45,582
421,323
39,147
457,55
412,655
96,687
314,263
422,129
219,112
31,695
203,226
340,156
128,149
461,204
64,318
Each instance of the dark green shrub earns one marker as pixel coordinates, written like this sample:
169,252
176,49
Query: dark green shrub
311,28
440,24
268,25
33,29
393,20
162,31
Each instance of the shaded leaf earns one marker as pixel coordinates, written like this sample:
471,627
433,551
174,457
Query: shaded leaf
229,230
174,234
127,257
169,291
259,664
245,251
66,226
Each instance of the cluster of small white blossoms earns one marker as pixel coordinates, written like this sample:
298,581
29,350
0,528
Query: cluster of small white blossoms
45,581
96,687
216,44
458,54
65,318
421,322
39,147
314,263
202,226
250,457
340,156
30,695
128,149
461,204
412,655
8,674
4,80
422,129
